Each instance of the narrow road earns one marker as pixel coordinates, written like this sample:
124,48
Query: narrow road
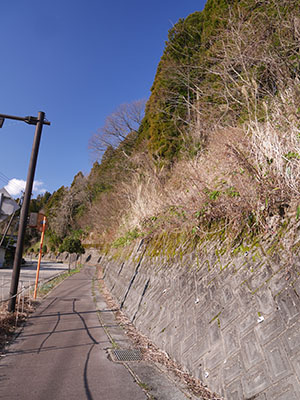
61,352
28,273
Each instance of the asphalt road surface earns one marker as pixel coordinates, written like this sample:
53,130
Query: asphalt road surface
63,352
48,269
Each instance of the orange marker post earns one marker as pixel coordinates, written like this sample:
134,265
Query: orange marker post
40,257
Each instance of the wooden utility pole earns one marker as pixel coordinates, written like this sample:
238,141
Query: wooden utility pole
39,122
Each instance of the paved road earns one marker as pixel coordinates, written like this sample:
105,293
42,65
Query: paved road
28,273
62,353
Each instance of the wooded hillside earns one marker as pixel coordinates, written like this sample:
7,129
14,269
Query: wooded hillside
218,149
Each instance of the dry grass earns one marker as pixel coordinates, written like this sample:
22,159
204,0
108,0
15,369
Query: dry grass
276,142
243,177
220,183
104,215
233,180
9,322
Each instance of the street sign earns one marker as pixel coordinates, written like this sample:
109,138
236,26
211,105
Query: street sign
40,222
33,218
36,220
7,205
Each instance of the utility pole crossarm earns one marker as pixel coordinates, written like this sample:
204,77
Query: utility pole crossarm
39,122
29,120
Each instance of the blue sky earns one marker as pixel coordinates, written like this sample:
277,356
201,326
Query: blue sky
76,60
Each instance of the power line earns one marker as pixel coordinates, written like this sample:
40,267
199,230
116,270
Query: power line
3,177
6,180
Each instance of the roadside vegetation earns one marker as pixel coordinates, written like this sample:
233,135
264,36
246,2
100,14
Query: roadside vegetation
9,322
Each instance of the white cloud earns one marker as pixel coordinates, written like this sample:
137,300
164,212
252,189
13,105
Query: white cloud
16,186
38,187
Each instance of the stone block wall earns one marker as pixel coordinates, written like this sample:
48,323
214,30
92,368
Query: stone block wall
232,320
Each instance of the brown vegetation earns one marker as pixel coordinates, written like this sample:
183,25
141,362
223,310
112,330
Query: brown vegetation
220,140
9,322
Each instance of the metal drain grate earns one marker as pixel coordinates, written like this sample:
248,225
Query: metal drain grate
126,355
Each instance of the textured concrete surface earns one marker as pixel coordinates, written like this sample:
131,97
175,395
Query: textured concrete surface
231,320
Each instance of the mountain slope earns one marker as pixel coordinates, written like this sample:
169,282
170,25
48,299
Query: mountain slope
219,145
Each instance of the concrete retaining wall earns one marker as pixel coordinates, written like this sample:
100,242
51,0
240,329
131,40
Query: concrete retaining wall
231,321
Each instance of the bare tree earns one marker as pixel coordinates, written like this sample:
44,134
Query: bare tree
64,211
124,120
